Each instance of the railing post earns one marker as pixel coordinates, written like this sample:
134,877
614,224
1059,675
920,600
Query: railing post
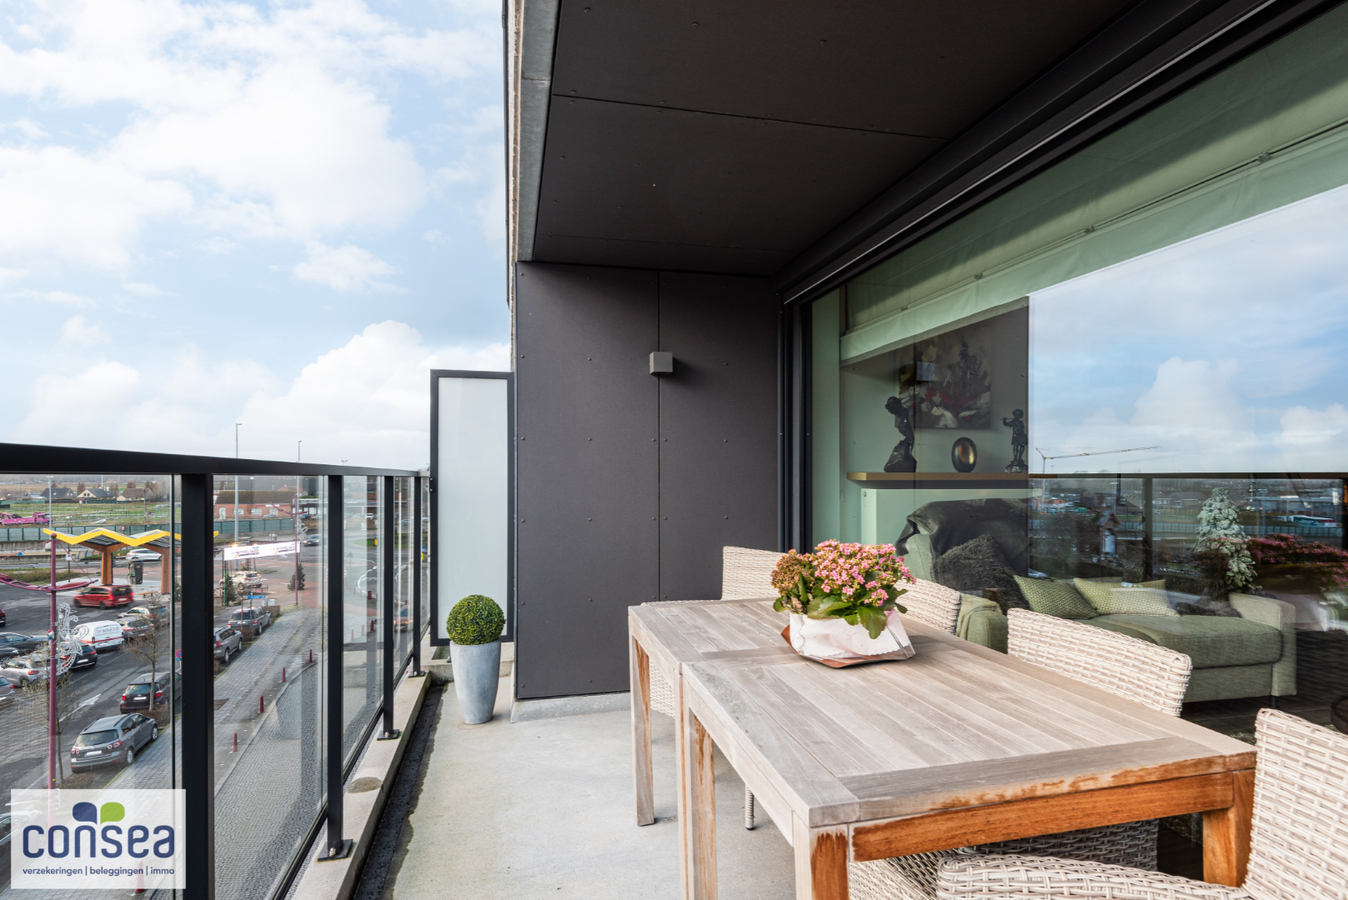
336,846
198,667
1148,529
388,540
416,580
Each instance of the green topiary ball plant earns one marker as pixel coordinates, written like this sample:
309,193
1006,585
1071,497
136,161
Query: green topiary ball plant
475,620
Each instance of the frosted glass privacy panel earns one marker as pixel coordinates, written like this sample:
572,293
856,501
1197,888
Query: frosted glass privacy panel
472,487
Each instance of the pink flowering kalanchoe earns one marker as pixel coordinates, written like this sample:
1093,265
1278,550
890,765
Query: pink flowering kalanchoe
857,583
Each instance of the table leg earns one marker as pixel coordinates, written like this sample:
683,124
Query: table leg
1226,835
643,780
821,861
698,816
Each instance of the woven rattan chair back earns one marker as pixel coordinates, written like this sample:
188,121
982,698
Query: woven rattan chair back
1299,841
935,604
747,574
1131,668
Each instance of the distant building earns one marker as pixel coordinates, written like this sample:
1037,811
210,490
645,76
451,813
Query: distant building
56,493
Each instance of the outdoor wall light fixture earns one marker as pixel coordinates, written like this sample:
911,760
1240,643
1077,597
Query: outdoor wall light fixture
662,363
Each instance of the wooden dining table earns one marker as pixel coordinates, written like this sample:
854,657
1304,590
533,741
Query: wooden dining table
662,637
959,745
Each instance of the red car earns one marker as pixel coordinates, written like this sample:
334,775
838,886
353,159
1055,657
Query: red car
106,596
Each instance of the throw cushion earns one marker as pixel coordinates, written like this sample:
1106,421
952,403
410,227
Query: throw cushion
1055,598
1111,598
977,565
1210,641
1137,601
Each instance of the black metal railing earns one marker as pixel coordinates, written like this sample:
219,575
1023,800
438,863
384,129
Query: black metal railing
192,518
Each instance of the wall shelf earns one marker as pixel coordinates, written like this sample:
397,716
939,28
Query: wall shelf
940,480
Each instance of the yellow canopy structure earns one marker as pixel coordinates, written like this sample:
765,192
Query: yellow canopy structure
108,543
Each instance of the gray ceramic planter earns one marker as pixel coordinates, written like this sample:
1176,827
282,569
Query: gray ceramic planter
477,674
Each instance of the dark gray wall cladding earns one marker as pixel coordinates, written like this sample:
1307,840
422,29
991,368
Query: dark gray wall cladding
630,484
587,473
718,427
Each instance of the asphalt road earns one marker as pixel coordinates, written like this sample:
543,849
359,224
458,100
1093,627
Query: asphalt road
23,738
23,741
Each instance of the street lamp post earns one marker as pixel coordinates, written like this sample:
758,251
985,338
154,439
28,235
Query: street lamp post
236,488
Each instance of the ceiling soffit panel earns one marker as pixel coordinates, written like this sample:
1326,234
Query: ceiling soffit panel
616,171
903,66
729,137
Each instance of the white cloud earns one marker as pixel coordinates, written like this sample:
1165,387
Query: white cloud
1189,419
78,207
28,129
1314,439
270,123
79,332
368,401
145,290
58,400
11,274
480,167
61,298
348,268
216,245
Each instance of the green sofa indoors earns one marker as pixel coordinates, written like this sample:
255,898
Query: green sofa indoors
1250,656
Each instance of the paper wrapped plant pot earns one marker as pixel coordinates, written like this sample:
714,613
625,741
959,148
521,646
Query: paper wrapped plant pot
836,643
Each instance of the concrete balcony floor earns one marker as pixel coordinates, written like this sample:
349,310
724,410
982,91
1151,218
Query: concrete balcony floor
544,809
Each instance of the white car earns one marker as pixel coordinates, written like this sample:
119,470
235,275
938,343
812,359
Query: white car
143,555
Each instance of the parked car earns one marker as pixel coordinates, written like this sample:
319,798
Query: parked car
100,635
403,620
24,670
75,655
250,617
136,696
228,642
142,554
134,626
21,643
6,691
106,595
2,617
158,615
114,739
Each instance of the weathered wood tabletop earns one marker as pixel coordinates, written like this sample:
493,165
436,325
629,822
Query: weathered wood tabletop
959,745
664,636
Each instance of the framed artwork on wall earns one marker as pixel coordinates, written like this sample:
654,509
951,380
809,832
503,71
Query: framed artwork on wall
948,384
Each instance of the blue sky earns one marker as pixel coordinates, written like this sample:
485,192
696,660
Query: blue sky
281,214
1229,351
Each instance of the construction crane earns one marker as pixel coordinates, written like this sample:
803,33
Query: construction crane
1092,453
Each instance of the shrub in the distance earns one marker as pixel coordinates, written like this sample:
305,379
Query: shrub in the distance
475,620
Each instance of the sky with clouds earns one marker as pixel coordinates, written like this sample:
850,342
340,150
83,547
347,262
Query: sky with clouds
281,214
1229,351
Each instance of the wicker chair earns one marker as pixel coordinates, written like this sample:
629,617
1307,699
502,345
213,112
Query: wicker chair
1298,844
932,603
1130,668
745,575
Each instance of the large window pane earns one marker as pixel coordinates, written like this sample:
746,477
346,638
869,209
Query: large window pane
270,647
405,555
1180,302
113,538
362,589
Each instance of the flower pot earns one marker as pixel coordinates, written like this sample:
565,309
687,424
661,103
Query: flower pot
834,639
477,674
